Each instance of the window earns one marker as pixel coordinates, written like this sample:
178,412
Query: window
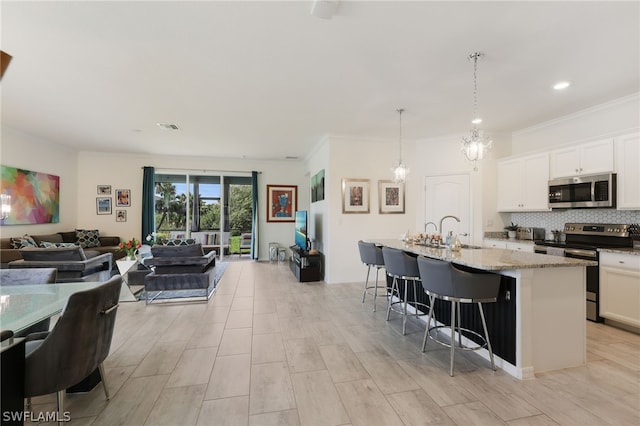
205,208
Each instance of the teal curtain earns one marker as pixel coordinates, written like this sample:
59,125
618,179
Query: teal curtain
254,231
148,204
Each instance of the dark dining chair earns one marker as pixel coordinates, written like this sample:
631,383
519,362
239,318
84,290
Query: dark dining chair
77,345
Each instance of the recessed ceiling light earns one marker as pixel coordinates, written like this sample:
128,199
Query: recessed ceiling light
476,120
561,85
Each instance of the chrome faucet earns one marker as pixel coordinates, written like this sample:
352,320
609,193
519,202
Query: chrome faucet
441,220
429,223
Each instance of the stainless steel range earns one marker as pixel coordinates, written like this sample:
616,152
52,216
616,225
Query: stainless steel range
582,242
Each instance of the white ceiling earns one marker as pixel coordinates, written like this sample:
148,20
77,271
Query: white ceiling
268,80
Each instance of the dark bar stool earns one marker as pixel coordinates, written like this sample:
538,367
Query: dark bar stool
371,256
442,280
401,266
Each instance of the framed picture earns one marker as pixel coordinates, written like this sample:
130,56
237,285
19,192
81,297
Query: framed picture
391,196
103,205
29,197
123,198
104,189
121,215
282,203
317,186
355,195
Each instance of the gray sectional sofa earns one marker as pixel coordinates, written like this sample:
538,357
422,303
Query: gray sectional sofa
107,244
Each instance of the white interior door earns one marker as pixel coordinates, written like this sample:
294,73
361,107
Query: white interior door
449,195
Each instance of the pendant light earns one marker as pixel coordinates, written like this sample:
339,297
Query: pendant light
475,145
400,170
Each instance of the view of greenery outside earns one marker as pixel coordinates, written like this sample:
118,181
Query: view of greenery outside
171,210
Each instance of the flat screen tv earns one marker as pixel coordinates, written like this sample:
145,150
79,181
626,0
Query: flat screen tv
301,230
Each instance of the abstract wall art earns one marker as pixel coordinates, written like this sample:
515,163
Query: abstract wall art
29,197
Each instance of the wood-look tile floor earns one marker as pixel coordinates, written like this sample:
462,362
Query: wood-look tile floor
266,350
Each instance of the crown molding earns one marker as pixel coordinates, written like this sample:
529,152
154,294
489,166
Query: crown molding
635,97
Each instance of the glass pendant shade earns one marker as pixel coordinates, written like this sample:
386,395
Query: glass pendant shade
6,205
400,170
475,145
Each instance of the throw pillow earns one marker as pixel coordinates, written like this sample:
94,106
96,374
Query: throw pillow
180,242
66,245
48,244
87,238
22,242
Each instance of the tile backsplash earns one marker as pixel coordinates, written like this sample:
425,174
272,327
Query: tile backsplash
557,219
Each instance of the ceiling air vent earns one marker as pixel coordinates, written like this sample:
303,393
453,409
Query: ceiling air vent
167,126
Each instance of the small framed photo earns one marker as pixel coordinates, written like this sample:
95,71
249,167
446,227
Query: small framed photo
123,198
355,195
391,197
104,189
282,203
121,215
103,205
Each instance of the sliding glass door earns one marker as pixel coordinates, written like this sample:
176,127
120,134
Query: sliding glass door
208,209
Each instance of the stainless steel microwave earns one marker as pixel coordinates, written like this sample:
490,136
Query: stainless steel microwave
591,191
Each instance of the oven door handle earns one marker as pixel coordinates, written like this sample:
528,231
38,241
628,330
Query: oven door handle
582,253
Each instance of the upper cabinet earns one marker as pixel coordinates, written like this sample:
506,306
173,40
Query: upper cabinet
583,159
523,183
628,170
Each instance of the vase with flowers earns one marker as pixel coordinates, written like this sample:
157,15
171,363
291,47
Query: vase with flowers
130,247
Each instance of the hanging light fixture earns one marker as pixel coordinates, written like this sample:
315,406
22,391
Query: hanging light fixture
475,145
5,207
400,170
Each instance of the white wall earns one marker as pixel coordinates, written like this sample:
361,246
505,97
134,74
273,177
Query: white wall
442,156
125,171
362,159
610,119
25,151
319,211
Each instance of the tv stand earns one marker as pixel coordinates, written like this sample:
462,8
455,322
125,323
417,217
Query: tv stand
305,267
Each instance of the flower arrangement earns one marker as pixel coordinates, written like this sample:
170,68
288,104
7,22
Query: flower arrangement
130,247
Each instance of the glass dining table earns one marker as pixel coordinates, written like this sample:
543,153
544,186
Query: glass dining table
22,306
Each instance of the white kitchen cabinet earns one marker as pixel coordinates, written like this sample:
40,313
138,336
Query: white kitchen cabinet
627,154
620,287
491,243
520,246
584,159
523,183
509,245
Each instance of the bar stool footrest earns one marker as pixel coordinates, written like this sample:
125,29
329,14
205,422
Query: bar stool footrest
457,346
412,304
424,310
381,291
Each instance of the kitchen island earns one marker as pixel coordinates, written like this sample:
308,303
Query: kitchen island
542,300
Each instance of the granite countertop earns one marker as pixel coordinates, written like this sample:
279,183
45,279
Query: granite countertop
489,259
622,250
